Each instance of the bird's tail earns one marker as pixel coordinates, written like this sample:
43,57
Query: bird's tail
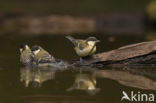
71,39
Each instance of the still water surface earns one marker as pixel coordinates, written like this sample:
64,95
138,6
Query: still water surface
103,85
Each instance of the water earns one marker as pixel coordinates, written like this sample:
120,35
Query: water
29,85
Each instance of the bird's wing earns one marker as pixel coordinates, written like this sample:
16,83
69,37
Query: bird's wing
82,44
46,57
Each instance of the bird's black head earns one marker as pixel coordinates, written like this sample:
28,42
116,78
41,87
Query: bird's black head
93,39
35,48
23,47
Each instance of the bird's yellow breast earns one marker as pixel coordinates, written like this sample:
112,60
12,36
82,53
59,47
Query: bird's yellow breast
86,51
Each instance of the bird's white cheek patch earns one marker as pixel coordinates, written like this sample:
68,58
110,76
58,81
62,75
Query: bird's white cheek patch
91,42
37,51
26,47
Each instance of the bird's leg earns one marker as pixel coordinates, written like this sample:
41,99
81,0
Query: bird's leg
81,60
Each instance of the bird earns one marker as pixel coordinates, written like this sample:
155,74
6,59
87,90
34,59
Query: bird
26,56
84,48
41,56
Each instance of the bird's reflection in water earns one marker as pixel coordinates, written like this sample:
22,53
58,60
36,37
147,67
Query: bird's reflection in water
85,82
35,76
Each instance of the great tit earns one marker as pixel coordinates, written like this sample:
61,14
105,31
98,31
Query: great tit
84,48
26,57
41,56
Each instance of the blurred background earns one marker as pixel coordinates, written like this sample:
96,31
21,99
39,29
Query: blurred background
38,17
46,22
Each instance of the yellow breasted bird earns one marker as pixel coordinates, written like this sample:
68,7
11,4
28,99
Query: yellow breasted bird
26,57
41,55
86,47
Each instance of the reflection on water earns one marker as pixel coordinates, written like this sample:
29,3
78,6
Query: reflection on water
86,82
128,79
35,76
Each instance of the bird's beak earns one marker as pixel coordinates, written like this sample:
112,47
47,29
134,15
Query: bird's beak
97,41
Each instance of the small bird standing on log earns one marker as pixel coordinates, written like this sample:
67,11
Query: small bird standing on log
84,48
41,55
26,57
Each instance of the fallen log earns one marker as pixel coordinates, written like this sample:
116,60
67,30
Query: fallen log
139,53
